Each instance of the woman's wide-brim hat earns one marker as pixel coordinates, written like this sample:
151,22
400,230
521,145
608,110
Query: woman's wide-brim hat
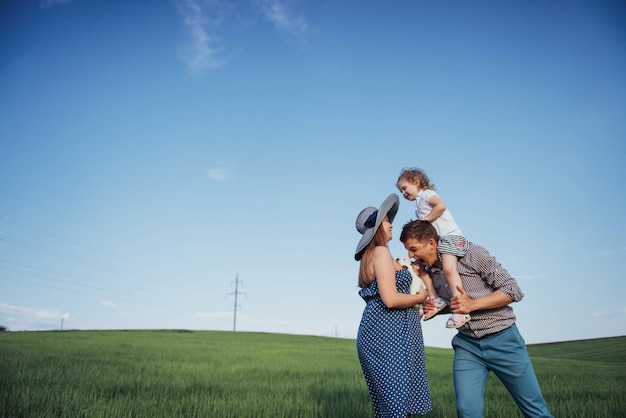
370,218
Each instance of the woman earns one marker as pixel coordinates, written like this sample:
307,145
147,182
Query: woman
389,342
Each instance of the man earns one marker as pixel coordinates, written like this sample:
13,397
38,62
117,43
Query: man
491,340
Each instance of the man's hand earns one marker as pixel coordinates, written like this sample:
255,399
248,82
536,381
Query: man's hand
461,304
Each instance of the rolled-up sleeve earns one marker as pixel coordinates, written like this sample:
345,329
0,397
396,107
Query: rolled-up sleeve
492,273
481,275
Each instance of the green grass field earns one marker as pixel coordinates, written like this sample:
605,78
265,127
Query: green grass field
226,374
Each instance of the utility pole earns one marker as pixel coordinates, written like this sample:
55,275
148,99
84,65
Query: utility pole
236,293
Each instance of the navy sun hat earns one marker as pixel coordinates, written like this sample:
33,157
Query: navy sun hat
370,218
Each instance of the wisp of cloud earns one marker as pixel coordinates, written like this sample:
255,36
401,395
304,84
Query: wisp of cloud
219,174
199,55
49,3
276,12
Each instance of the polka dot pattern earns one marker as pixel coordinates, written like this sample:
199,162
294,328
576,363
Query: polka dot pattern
390,346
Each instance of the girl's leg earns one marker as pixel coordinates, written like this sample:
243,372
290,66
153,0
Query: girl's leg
454,281
452,275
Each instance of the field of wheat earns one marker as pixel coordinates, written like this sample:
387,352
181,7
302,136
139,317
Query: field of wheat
173,373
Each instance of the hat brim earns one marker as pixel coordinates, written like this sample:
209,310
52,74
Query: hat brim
388,208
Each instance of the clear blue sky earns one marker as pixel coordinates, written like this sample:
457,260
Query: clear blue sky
153,151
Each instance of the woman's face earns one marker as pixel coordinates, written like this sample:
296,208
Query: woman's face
387,227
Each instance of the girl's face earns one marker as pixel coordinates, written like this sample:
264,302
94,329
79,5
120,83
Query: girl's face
408,189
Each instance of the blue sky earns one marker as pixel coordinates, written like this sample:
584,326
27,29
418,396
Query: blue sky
153,151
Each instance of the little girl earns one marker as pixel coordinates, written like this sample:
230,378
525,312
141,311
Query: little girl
414,184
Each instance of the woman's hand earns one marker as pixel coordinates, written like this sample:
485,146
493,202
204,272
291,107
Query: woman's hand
429,306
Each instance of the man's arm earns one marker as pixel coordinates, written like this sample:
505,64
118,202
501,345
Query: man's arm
464,304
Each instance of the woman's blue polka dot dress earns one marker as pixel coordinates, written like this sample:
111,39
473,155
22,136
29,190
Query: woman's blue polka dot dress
391,351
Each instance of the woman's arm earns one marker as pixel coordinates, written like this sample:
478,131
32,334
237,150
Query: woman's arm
385,273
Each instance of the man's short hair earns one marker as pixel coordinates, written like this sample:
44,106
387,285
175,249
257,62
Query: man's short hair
419,230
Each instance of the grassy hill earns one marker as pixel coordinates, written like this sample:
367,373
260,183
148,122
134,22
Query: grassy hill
168,373
603,350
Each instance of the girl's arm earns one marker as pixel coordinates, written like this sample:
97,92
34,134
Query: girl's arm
385,273
438,208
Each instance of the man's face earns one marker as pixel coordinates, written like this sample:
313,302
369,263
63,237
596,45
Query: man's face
422,250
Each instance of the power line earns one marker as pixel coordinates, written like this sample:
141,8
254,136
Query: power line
43,286
93,264
82,282
90,248
164,274
60,214
163,283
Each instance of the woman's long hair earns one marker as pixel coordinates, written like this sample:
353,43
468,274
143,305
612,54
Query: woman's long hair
380,238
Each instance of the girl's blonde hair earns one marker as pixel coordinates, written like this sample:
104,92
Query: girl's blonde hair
380,238
417,177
